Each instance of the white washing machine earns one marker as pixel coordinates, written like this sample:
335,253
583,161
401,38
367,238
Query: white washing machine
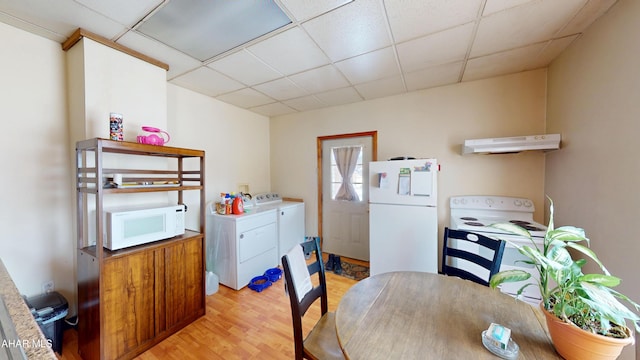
291,225
240,247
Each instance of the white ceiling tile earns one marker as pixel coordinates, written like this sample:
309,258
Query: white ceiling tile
334,51
306,9
339,96
274,109
433,76
439,48
281,89
550,51
371,66
381,88
493,6
289,52
207,81
246,98
320,79
359,27
245,67
125,12
414,18
179,62
505,62
587,15
32,28
519,26
305,103
62,17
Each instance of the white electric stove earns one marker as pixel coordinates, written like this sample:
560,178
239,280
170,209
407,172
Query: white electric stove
476,212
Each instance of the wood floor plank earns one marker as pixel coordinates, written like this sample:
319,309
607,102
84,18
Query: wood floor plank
238,325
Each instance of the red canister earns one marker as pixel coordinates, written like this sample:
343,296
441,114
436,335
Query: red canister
238,205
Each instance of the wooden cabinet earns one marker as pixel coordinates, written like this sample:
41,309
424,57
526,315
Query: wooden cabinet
131,299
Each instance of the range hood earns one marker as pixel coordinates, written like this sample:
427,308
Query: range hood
511,144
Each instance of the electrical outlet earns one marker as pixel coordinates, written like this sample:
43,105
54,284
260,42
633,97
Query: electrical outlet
47,286
243,188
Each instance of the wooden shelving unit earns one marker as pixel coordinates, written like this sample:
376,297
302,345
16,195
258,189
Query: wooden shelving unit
131,299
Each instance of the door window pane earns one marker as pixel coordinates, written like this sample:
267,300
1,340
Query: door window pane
356,178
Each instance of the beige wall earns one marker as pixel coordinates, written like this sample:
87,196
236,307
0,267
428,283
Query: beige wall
36,186
38,220
594,101
428,123
236,141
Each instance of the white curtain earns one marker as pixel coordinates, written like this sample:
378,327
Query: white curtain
346,160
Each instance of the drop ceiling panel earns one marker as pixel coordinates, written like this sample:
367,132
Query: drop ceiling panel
207,81
339,96
519,26
246,98
180,62
505,62
359,27
587,15
551,50
281,89
493,6
320,79
371,66
433,76
305,103
330,50
125,12
245,67
307,9
301,52
274,109
381,88
206,28
439,48
414,18
62,17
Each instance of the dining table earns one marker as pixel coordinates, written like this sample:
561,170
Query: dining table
419,315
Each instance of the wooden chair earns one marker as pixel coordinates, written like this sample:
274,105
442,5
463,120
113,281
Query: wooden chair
453,257
322,341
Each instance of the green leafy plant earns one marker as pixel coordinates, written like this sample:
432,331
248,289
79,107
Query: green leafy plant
587,300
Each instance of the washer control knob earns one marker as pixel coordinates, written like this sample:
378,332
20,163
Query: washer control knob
489,202
528,204
517,202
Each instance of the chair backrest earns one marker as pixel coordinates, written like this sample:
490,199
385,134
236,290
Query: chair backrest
300,306
461,255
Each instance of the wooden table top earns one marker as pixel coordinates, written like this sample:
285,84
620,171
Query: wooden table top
414,315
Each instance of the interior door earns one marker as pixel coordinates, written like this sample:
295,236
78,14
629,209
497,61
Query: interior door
345,223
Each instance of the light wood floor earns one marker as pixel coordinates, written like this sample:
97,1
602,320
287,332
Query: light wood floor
238,325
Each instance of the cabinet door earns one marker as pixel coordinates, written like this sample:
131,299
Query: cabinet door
184,282
128,303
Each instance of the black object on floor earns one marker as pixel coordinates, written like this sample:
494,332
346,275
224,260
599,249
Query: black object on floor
49,310
329,264
337,265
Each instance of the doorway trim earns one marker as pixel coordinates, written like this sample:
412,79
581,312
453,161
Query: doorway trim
319,142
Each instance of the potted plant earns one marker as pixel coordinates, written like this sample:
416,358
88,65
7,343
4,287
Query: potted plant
574,302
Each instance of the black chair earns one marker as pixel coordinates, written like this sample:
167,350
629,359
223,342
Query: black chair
453,257
322,341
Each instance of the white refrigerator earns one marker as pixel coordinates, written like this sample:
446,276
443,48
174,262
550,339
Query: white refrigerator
403,216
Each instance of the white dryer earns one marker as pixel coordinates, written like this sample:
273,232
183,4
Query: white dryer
241,247
291,221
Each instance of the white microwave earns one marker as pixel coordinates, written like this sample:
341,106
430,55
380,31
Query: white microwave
136,226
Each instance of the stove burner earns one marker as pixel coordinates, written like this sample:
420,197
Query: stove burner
468,218
474,223
526,225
